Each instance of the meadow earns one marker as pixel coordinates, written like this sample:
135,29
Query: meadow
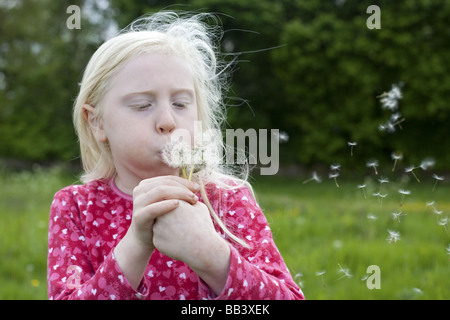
327,235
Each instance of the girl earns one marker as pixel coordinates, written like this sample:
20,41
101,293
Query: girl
137,229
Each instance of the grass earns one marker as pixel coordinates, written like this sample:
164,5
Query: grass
318,228
25,200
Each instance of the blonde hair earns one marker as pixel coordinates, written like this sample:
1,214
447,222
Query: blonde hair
187,37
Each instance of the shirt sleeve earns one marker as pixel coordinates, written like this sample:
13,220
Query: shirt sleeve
257,273
70,271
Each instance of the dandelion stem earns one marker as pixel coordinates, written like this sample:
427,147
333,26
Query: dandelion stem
190,173
335,180
415,176
434,186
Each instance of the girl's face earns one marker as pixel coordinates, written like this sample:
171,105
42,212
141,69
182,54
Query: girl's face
151,96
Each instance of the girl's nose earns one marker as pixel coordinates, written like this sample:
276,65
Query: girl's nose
165,123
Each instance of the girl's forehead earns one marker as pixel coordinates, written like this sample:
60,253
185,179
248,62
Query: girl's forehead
153,71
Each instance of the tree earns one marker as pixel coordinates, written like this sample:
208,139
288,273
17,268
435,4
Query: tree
41,63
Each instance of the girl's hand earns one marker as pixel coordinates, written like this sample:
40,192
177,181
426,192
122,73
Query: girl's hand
187,234
155,197
152,198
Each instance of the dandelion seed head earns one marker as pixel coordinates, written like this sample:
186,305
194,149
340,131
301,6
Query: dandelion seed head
176,154
202,155
439,178
404,192
361,186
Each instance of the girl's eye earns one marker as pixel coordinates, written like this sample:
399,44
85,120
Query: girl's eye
179,105
142,106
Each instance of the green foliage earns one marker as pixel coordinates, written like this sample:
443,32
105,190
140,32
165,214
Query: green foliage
334,67
41,62
310,68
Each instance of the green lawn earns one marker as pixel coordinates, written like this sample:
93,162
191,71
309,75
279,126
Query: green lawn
318,228
322,230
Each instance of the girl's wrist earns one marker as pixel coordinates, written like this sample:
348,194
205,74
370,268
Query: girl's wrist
132,259
215,266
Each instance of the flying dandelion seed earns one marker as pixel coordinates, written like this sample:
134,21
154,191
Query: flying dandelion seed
380,197
396,157
389,100
315,177
283,137
411,169
352,145
335,167
448,250
334,176
396,215
403,193
372,217
334,173
383,180
396,120
362,186
435,210
443,222
394,236
320,274
345,272
373,164
427,163
437,178
431,204
299,275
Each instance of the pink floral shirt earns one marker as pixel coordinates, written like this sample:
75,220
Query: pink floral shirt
87,221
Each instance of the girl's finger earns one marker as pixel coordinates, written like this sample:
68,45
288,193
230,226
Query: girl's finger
146,215
164,192
168,180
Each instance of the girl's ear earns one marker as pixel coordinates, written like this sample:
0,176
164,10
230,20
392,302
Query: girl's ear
95,123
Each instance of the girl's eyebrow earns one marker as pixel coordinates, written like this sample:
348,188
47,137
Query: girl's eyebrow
150,93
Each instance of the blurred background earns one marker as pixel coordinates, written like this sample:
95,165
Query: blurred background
318,83
310,68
